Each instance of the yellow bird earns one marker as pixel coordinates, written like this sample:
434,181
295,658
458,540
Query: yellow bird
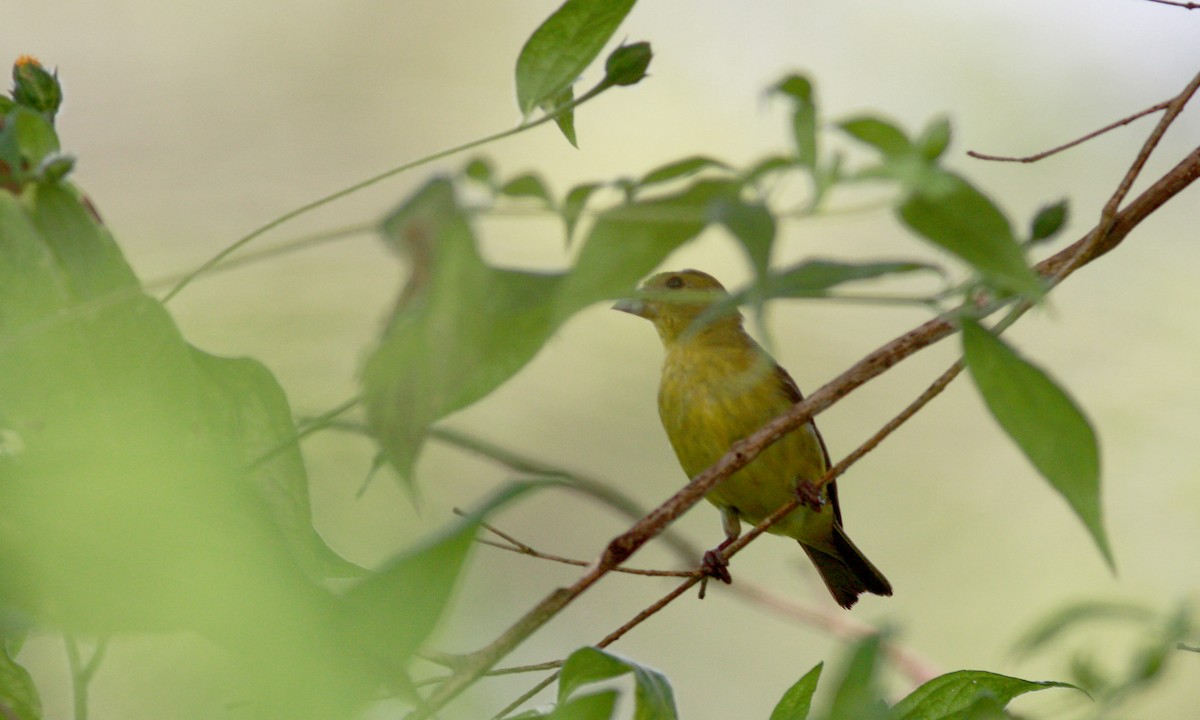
719,386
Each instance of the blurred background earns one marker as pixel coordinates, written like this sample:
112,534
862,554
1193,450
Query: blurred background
194,123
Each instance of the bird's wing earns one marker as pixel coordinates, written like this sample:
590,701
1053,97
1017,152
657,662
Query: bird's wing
793,393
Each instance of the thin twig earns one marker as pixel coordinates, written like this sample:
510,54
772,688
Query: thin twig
520,548
1108,213
572,480
1176,3
282,248
325,419
1073,143
320,202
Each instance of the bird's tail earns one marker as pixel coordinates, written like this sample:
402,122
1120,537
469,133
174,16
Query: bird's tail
846,571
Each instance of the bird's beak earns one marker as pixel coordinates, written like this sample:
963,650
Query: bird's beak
632,306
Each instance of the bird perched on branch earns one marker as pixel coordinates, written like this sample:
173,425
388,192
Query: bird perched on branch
719,386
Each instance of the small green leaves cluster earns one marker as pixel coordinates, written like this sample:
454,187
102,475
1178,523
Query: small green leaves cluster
29,147
855,695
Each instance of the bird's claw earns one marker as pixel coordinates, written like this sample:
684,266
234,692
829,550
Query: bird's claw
809,496
715,566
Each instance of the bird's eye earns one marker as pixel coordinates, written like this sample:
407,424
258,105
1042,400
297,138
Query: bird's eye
674,282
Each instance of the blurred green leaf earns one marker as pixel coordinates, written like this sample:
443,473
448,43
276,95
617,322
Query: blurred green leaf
1044,422
1048,222
804,116
814,278
461,327
680,169
653,699
562,46
766,166
934,139
857,695
128,505
34,134
952,214
480,170
247,414
573,205
628,241
797,701
880,134
1068,618
528,185
949,696
751,223
595,706
393,612
18,695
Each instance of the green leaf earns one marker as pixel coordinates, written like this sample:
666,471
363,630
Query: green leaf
653,699
751,223
767,166
247,414
34,134
131,507
797,701
1048,222
680,169
880,134
480,170
1052,627
595,706
934,139
804,117
952,214
528,185
949,696
814,278
393,612
628,241
18,694
565,120
573,205
461,327
562,46
1044,422
857,696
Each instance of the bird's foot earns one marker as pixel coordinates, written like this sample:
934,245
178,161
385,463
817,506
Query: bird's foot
809,496
713,565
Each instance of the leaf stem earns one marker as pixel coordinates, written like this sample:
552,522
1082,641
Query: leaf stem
320,202
82,673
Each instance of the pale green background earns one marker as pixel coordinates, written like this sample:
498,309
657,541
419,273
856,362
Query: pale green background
195,122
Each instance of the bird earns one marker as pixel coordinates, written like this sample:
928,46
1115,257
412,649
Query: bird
718,386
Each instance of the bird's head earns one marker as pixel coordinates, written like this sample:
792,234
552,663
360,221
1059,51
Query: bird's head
675,301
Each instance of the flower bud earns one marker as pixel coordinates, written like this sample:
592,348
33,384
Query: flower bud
35,87
627,64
